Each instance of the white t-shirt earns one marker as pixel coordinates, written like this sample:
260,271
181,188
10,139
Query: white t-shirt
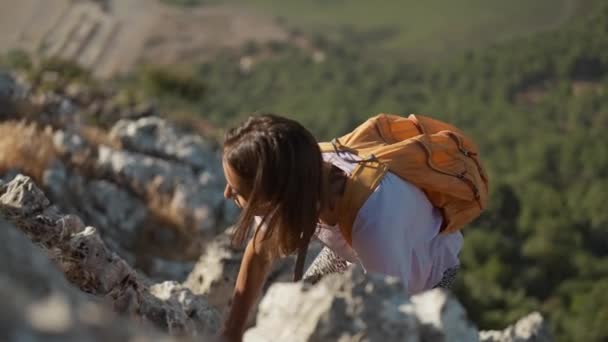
396,232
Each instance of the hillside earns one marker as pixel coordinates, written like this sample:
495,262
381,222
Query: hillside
415,31
111,37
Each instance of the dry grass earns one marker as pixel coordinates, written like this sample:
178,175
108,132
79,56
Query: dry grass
26,147
96,136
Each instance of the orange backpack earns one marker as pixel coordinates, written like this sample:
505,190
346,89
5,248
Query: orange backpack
433,155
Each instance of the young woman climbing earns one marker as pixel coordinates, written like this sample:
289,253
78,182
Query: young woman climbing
390,196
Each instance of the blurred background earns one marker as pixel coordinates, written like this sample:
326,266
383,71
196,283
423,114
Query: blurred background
526,79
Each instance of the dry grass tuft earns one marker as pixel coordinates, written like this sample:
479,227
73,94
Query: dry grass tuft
97,136
26,147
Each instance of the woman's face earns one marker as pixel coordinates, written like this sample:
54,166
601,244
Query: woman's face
234,186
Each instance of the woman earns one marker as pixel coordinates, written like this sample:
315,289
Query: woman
287,189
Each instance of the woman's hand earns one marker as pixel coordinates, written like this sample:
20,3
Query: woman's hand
255,266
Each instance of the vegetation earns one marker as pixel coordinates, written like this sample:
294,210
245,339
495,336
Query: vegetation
418,29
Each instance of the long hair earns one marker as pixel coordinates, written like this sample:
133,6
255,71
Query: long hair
280,164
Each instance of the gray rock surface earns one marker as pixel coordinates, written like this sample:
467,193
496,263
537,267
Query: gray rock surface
38,304
341,307
192,197
354,306
157,137
215,272
92,267
117,214
531,328
99,202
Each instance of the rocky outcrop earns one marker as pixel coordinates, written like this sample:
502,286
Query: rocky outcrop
38,304
215,273
531,328
92,267
216,270
118,214
157,137
354,306
190,193
153,191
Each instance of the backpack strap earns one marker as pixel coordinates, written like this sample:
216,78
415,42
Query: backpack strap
359,186
326,147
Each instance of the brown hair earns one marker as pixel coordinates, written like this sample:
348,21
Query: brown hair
280,163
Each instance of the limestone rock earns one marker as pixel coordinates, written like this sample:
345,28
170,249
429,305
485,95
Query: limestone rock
341,307
442,318
38,304
194,198
531,328
115,212
92,267
215,272
155,136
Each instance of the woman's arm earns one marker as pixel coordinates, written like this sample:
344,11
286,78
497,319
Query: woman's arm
255,266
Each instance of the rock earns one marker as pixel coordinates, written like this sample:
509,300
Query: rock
342,307
156,137
117,214
70,144
195,307
191,198
196,204
531,328
21,193
107,204
215,273
442,317
91,266
354,306
38,304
